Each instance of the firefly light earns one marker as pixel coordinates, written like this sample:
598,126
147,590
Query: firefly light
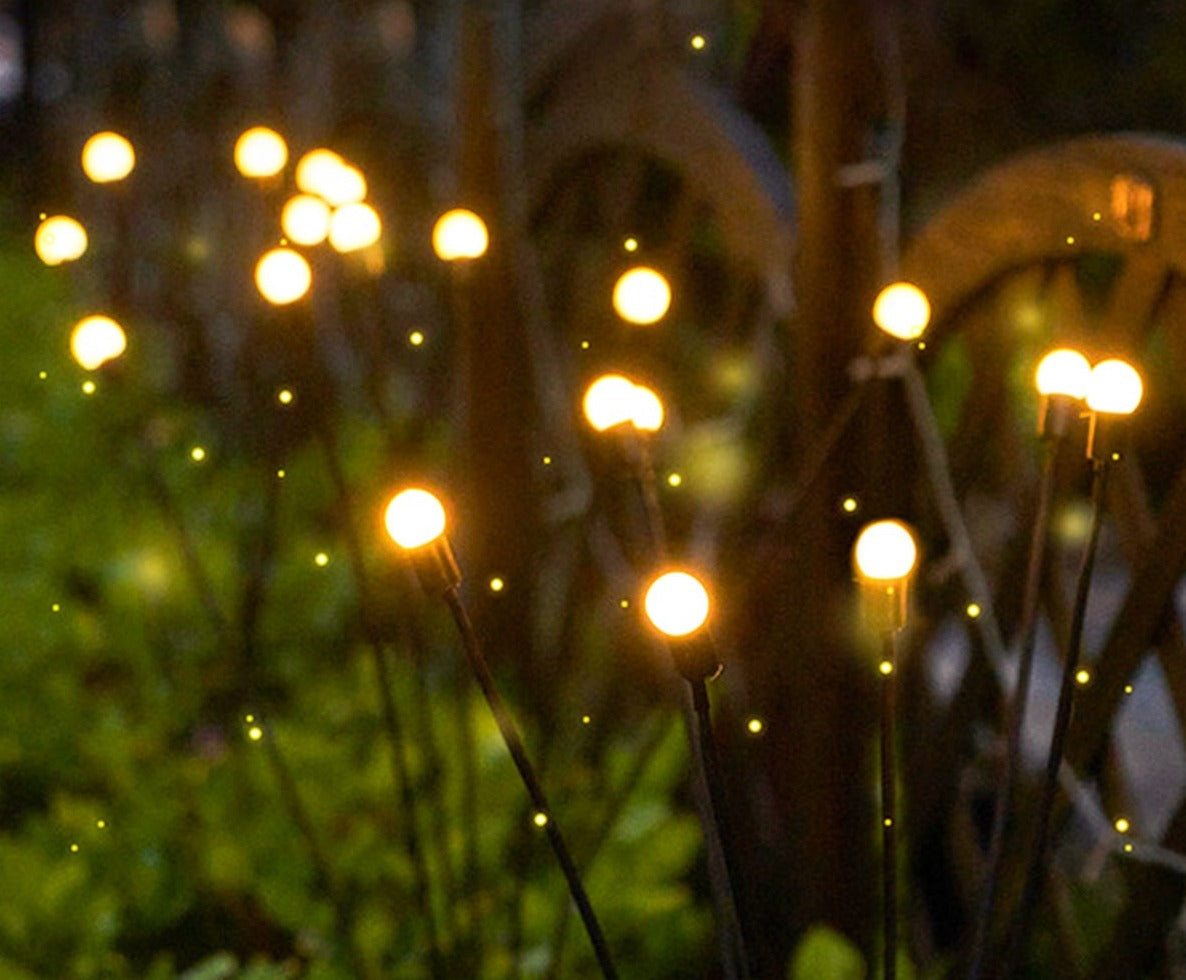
641,295
414,518
97,340
902,310
609,401
107,157
676,603
885,551
305,219
283,276
260,152
459,234
1114,388
354,226
1063,372
59,239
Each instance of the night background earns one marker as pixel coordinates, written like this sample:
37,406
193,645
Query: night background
239,738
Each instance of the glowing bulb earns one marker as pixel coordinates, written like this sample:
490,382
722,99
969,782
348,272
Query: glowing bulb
414,518
59,239
902,310
609,401
305,219
255,733
326,174
283,276
540,819
849,505
284,396
1063,372
886,667
755,726
497,584
641,295
107,157
459,234
1122,825
1083,676
97,340
676,603
416,338
885,551
321,559
260,152
1114,388
197,454
647,414
973,610
354,226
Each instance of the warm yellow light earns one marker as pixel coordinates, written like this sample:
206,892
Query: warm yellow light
59,239
902,310
1083,676
107,157
305,219
260,152
97,340
283,276
885,551
1114,388
324,173
642,295
609,401
1122,825
647,414
1063,372
676,603
459,234
354,226
414,518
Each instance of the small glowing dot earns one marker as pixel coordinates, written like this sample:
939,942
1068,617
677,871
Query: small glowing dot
101,824
698,42
88,387
540,819
630,244
321,559
1128,848
284,396
255,733
547,461
584,345
922,345
849,505
197,454
73,848
625,603
415,338
585,719
280,474
1083,676
888,821
755,726
674,479
1070,239
497,584
1128,689
249,718
1095,216
1122,825
43,375
973,610
1115,457
56,607
886,668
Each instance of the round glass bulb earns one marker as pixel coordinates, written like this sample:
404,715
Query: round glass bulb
902,310
642,295
107,157
648,410
885,551
354,226
305,219
260,152
609,401
96,340
414,518
283,276
676,603
59,239
459,234
1063,372
1114,387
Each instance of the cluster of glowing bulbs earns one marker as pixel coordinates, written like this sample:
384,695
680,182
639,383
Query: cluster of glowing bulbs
1113,386
613,400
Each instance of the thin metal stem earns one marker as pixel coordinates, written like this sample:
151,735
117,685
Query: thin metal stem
889,806
1035,872
514,744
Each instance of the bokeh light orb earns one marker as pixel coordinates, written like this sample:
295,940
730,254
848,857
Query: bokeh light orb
642,295
885,551
902,310
283,276
260,152
1114,387
324,173
1063,372
96,340
107,157
459,234
305,219
59,239
677,603
609,401
354,226
414,518
648,410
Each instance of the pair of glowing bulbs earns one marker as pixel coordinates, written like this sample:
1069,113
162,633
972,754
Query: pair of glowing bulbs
1113,386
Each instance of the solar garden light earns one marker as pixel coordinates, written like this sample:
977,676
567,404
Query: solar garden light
416,521
885,557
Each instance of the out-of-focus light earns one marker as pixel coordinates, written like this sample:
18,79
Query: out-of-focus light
609,401
97,340
1114,388
108,157
902,310
260,152
283,276
885,551
648,410
459,234
1063,372
305,219
414,518
676,603
324,173
354,226
59,239
642,295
